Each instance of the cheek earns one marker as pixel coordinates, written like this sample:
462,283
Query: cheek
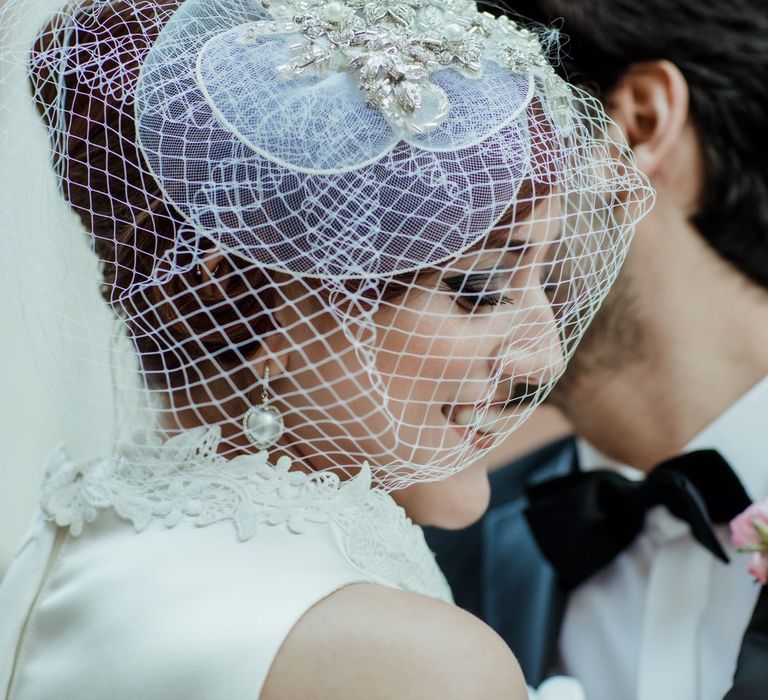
451,504
430,350
422,370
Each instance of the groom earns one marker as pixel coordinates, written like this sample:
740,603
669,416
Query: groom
631,585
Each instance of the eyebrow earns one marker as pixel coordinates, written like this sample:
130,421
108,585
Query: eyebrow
501,236
505,239
499,240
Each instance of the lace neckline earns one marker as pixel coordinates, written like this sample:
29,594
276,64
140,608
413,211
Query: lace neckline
185,479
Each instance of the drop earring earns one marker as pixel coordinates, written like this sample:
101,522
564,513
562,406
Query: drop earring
263,425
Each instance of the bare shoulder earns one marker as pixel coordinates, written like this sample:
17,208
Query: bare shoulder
377,643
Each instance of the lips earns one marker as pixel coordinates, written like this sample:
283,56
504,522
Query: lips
476,426
471,417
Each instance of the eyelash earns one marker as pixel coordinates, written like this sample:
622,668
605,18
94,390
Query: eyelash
470,292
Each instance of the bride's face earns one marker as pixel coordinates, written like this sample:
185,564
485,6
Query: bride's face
408,388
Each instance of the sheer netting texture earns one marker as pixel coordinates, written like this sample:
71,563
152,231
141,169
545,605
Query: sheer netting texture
388,221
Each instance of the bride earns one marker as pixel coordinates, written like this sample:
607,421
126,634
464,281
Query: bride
349,246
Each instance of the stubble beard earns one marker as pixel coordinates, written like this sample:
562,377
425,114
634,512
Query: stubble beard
612,344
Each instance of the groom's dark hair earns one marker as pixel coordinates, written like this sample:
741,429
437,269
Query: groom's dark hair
721,47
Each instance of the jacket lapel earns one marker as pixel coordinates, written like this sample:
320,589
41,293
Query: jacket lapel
520,596
750,681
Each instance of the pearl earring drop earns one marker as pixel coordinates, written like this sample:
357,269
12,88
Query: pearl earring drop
263,425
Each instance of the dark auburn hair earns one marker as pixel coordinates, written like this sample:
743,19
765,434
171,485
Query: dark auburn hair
119,203
722,50
106,182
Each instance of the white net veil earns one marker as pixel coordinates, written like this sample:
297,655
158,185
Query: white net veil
363,231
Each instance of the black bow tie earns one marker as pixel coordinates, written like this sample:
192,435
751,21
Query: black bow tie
584,520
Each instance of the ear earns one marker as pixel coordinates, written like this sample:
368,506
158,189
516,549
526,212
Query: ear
650,105
208,268
273,354
277,349
213,274
274,350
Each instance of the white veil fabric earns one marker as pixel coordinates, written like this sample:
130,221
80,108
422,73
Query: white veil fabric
388,221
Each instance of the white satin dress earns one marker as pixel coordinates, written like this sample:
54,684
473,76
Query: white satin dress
170,573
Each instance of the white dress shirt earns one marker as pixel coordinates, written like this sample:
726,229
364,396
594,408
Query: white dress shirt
665,620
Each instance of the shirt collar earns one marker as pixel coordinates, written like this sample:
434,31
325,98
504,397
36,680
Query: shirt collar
740,434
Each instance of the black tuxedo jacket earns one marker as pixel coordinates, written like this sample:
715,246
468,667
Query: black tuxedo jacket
497,572
495,568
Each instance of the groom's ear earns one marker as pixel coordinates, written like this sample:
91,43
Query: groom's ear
650,105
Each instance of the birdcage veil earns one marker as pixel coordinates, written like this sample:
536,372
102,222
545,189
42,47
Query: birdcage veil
363,231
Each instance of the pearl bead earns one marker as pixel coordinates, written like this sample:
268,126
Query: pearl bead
263,426
334,11
453,32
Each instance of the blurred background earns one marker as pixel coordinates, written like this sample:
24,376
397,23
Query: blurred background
29,425
29,421
32,305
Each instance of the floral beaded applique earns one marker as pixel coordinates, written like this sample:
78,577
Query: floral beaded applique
394,46
185,479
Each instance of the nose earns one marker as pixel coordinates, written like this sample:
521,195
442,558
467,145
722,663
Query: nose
532,351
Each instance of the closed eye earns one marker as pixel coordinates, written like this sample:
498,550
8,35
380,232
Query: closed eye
475,290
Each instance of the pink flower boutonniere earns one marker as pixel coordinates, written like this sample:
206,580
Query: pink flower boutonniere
749,533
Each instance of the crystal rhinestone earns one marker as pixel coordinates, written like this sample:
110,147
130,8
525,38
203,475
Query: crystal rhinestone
263,426
250,35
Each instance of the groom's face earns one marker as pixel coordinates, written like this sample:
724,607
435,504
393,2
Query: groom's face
618,340
614,341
